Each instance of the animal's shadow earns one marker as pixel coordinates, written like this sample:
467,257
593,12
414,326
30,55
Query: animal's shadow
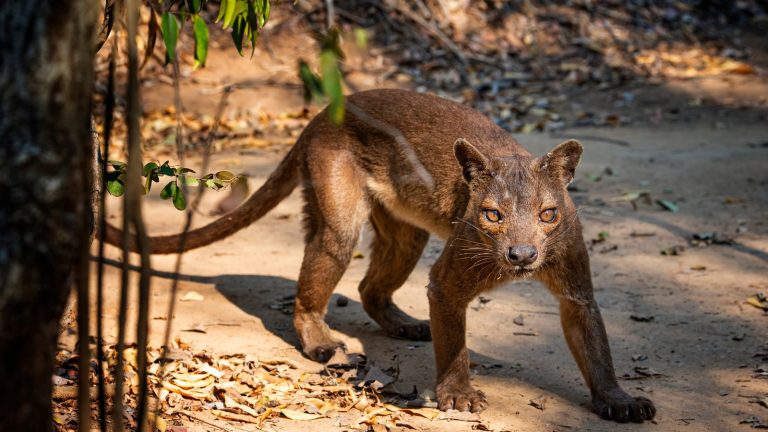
268,299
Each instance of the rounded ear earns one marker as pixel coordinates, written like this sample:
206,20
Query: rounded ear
561,162
472,162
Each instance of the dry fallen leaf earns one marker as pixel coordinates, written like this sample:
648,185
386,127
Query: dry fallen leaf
231,403
239,388
191,296
756,302
298,415
192,394
640,372
539,403
427,413
233,416
378,428
158,422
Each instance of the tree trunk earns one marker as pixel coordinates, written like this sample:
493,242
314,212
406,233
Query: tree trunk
46,80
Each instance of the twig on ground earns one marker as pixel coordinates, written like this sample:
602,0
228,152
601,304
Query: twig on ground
431,28
615,141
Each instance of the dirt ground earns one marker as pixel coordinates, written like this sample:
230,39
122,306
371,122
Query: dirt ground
702,337
691,324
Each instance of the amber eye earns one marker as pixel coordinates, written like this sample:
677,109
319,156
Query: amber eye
492,215
548,215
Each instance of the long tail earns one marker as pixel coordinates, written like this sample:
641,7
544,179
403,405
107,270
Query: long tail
277,187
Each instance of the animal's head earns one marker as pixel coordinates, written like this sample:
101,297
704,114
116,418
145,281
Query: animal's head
517,213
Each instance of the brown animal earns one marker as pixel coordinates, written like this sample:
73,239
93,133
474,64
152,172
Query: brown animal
503,213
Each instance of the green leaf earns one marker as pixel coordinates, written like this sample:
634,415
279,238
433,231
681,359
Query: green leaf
222,10
213,184
225,176
229,12
331,80
253,25
261,7
361,38
265,11
668,205
147,185
183,15
169,191
242,7
201,41
115,187
190,181
148,168
114,175
166,169
183,170
118,165
194,6
238,30
170,28
331,41
179,201
312,86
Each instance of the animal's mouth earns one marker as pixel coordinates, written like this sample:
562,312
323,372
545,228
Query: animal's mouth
517,270
522,270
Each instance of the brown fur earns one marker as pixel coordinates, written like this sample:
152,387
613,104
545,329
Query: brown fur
356,172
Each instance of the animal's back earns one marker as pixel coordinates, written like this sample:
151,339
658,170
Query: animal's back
430,126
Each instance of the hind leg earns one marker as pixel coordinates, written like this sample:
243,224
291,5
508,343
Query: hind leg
394,253
336,209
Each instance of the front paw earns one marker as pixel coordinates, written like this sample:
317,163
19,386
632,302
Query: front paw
621,407
323,352
462,397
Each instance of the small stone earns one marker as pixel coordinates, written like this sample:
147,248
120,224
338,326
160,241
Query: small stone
342,301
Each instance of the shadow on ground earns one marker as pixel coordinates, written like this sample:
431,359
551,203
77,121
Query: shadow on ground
529,364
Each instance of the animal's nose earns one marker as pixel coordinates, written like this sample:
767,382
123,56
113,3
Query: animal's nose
522,255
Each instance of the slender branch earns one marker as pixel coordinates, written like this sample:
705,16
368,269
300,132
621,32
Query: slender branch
106,24
330,15
117,397
83,342
430,27
109,111
134,209
180,149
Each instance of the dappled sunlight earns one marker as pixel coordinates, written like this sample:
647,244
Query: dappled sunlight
691,63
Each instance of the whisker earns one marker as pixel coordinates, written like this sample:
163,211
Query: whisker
490,273
477,256
478,229
476,248
470,241
480,264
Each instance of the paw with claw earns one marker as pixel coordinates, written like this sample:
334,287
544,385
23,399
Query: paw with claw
621,407
461,397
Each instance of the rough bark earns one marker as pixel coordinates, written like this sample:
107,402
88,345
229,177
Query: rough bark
46,79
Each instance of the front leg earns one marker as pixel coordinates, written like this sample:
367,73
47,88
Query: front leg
448,315
571,282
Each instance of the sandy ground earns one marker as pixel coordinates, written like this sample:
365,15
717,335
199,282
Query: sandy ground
702,336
